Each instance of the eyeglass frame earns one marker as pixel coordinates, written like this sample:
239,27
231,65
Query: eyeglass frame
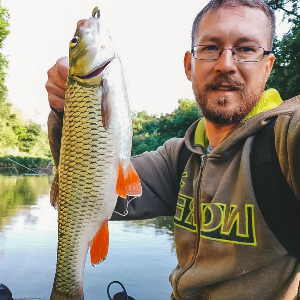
266,52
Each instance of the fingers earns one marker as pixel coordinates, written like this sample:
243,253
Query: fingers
56,95
56,83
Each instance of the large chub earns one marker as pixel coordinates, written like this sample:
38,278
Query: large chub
94,164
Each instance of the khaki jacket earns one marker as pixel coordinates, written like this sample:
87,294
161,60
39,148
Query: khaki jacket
225,249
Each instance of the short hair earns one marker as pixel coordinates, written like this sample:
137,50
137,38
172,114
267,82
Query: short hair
216,4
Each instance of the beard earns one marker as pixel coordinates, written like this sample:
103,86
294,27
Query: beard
218,114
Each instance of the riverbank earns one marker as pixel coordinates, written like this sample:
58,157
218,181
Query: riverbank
11,164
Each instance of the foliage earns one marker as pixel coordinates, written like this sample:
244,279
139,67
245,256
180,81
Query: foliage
285,75
24,164
14,132
150,132
289,7
28,136
4,17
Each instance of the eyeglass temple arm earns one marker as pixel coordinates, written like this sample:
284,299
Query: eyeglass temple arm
267,52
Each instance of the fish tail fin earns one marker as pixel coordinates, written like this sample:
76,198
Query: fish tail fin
99,246
132,182
54,191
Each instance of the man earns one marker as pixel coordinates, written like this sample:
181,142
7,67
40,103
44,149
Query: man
224,247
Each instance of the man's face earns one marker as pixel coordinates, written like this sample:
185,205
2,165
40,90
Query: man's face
226,90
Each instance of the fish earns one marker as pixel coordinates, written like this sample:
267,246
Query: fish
94,164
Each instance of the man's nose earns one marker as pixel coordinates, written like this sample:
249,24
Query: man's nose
84,23
226,63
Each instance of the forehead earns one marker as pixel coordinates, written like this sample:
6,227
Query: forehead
234,24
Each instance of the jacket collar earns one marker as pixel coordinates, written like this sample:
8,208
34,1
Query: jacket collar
269,100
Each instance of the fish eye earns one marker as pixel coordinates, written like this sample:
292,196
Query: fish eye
74,41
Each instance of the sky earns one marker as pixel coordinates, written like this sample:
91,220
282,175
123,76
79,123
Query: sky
151,38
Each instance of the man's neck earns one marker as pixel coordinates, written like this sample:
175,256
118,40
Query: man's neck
217,133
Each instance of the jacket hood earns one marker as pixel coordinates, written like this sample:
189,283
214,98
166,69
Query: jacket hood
270,105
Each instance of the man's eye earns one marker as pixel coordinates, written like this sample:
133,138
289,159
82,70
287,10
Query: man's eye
246,49
210,48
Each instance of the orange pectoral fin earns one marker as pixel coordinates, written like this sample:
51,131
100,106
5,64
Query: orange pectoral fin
132,182
99,247
121,187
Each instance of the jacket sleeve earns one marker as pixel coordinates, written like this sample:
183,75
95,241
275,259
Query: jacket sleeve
158,172
287,140
55,122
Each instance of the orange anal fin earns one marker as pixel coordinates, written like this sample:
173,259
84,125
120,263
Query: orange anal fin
99,245
121,186
132,182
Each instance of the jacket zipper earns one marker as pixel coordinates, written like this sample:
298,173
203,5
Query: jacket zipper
197,214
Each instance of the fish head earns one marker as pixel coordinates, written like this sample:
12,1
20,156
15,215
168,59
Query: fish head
90,51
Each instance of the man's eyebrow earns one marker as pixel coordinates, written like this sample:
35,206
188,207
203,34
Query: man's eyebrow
211,39
252,41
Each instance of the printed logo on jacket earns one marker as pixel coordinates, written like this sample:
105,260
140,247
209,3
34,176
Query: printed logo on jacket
218,221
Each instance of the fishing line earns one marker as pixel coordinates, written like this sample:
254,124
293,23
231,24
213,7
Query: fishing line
126,209
121,214
23,166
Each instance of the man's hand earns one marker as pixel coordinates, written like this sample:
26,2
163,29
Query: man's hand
56,83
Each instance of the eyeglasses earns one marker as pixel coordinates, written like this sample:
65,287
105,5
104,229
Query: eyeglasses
239,53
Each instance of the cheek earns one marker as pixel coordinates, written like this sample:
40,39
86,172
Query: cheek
254,76
201,73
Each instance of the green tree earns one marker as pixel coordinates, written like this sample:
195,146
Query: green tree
7,136
151,132
29,138
177,123
285,75
4,17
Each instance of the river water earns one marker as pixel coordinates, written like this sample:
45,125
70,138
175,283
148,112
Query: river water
141,253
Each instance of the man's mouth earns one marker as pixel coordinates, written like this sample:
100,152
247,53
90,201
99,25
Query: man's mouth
224,88
95,72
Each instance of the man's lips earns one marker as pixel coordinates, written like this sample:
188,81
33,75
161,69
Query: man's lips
224,88
95,72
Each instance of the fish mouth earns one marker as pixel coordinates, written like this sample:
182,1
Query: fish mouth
94,73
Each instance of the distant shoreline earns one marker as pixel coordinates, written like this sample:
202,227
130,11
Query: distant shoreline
11,164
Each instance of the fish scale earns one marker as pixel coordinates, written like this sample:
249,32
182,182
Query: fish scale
76,166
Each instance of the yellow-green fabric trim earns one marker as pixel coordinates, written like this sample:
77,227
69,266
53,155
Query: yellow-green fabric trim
270,99
200,134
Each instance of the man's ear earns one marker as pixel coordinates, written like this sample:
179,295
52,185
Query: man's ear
188,65
270,64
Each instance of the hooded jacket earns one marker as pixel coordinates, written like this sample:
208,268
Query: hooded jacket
224,247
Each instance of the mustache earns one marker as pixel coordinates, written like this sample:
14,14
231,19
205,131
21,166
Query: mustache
225,79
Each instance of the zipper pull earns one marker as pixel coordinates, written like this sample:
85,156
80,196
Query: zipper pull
203,159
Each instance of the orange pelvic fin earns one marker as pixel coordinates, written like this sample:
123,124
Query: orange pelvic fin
121,186
99,246
132,182
128,184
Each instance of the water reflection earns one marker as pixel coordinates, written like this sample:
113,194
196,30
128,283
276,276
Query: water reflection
141,253
17,191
